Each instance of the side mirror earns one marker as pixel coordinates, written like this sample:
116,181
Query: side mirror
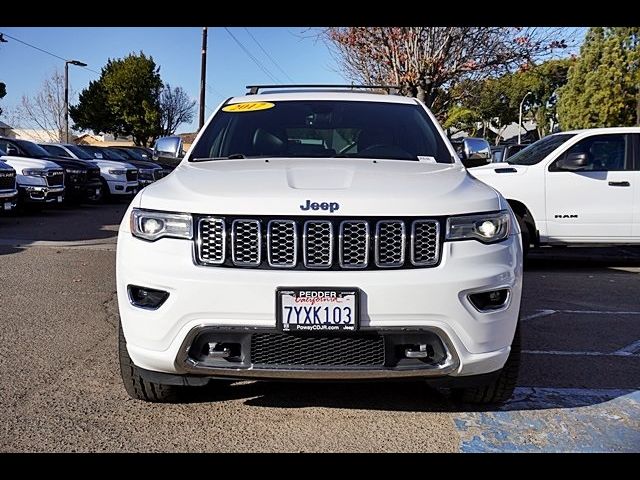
12,150
168,151
573,162
475,152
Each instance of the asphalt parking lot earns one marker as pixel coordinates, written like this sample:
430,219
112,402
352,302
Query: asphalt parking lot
60,389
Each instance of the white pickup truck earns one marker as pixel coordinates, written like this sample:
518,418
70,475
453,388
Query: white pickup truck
320,235
576,187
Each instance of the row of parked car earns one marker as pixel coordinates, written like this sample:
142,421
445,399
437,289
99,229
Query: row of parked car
33,175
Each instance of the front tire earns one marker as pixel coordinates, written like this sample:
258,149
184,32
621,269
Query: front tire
501,389
526,234
137,387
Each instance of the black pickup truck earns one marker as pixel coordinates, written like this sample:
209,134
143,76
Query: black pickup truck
81,178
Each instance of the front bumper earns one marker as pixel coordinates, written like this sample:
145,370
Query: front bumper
87,190
8,200
40,194
122,187
420,300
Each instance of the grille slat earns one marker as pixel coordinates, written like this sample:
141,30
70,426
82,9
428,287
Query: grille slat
354,244
303,243
282,243
318,244
246,242
211,241
289,350
425,248
390,243
132,175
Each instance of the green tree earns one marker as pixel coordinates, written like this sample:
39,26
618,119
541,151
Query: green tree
124,101
494,103
603,88
3,92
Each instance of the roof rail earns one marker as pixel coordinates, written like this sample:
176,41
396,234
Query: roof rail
390,89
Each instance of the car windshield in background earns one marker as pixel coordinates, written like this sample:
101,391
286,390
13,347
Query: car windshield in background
312,129
537,151
79,152
32,149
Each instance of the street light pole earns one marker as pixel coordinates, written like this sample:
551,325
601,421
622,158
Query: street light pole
66,94
520,118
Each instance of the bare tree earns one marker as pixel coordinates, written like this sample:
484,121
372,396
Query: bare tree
426,61
45,110
176,107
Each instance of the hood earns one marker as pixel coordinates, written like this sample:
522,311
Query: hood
5,167
72,163
143,164
111,164
20,163
293,186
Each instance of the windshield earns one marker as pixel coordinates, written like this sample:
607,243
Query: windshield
32,149
537,151
315,128
79,152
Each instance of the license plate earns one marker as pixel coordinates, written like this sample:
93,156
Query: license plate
7,205
317,309
60,199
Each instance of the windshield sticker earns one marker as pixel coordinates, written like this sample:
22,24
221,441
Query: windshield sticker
248,107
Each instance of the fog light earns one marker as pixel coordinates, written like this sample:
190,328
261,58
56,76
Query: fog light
491,300
146,297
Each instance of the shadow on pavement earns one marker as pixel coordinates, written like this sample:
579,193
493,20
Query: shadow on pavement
63,224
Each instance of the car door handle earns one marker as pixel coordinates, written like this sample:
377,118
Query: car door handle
619,184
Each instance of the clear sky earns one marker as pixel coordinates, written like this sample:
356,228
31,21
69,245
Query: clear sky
175,50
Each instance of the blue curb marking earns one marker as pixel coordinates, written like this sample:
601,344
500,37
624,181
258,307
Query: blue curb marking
556,420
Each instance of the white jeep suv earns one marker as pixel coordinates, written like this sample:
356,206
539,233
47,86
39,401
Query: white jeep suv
319,235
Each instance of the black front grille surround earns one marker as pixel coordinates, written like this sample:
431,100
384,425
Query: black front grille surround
55,178
7,180
132,175
310,243
281,350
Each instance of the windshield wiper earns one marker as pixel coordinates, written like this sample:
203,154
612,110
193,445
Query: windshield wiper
233,156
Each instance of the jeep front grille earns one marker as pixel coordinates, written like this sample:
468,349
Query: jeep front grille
317,244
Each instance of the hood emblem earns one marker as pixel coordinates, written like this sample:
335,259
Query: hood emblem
309,205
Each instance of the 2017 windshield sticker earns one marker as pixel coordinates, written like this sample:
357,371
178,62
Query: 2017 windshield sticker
248,107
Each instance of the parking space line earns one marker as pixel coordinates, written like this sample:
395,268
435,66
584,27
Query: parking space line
540,313
618,353
547,312
633,349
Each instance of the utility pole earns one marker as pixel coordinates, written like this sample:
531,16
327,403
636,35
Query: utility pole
203,76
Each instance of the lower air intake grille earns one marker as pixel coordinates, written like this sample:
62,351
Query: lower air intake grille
289,350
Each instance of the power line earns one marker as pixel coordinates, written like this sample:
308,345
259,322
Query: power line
268,56
214,91
44,51
255,60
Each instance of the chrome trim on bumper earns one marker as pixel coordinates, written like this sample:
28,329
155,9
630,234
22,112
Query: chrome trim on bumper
186,365
8,193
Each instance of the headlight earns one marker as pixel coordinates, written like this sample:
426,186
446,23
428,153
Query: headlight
154,225
74,172
486,227
118,172
34,172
